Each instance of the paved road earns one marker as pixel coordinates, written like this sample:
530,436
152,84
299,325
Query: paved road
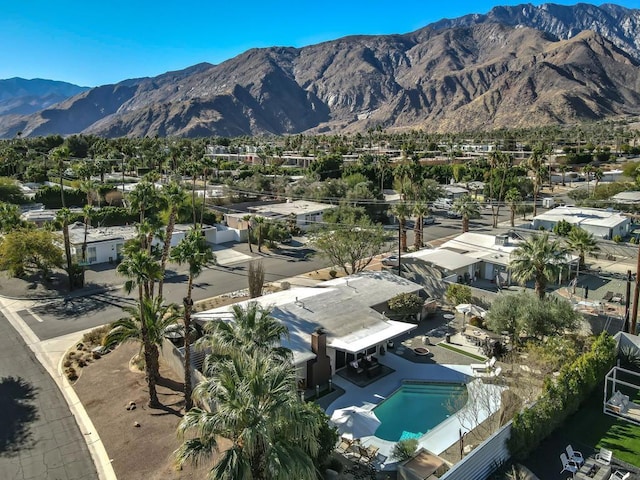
39,437
53,318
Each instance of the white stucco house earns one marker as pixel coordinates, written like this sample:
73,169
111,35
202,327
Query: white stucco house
334,324
304,213
601,223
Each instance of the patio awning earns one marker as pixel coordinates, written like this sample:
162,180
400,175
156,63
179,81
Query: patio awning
365,338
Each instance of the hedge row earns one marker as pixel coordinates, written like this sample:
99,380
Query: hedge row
562,397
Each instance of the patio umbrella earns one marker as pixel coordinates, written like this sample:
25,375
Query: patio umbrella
473,310
355,422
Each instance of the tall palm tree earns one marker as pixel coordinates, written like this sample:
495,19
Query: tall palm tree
513,198
581,242
420,210
273,434
467,208
538,258
401,212
598,173
535,162
146,324
194,251
259,221
64,216
174,195
587,170
249,221
141,270
88,213
60,155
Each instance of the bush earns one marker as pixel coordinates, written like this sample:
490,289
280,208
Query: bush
561,397
457,293
71,374
95,336
617,238
406,304
476,322
335,464
404,449
629,358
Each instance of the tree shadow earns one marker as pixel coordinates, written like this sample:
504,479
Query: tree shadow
170,384
16,396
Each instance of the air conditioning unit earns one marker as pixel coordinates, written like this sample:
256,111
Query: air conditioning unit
502,240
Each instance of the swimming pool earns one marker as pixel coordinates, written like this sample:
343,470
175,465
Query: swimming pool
417,407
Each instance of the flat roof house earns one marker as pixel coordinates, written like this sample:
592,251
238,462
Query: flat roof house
601,223
303,212
334,324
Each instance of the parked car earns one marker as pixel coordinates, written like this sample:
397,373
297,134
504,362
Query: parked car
453,214
390,261
428,220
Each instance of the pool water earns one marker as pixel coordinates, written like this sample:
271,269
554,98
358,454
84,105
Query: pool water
417,407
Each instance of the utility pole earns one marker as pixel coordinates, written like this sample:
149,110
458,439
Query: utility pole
636,294
400,247
625,325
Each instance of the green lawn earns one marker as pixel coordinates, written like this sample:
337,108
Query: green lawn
593,427
462,352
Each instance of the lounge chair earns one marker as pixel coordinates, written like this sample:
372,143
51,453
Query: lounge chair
604,456
574,455
568,465
618,475
484,367
608,296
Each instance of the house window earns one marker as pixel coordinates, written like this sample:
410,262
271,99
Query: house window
92,256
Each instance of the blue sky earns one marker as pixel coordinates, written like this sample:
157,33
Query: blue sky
98,42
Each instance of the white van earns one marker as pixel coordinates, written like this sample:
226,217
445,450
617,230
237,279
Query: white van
443,203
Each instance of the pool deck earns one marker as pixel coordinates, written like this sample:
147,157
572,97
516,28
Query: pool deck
439,438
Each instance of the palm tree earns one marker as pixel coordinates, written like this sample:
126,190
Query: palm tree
146,324
253,331
273,434
60,155
249,220
141,270
535,162
467,208
587,169
598,173
582,242
63,216
563,169
87,212
420,210
402,211
538,259
513,198
194,251
174,195
260,224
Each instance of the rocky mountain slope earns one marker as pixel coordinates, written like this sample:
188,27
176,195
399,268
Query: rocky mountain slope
22,96
474,74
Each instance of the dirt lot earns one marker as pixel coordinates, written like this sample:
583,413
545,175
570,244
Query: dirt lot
105,388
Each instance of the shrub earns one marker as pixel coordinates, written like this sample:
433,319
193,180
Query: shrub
617,238
404,449
333,273
335,464
406,304
67,363
476,322
95,336
71,374
457,293
629,358
561,397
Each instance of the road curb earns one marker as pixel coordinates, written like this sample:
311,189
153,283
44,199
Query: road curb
96,448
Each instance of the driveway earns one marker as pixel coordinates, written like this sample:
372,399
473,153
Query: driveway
39,437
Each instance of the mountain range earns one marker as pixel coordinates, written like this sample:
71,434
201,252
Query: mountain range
518,66
20,96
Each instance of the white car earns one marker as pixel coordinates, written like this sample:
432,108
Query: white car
390,261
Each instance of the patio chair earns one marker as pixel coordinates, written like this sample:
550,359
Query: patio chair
568,465
607,296
344,445
574,455
619,475
604,456
484,367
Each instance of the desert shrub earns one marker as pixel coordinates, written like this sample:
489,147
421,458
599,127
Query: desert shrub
333,273
404,449
95,336
67,363
617,238
82,362
71,374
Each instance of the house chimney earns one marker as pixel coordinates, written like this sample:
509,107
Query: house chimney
319,369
